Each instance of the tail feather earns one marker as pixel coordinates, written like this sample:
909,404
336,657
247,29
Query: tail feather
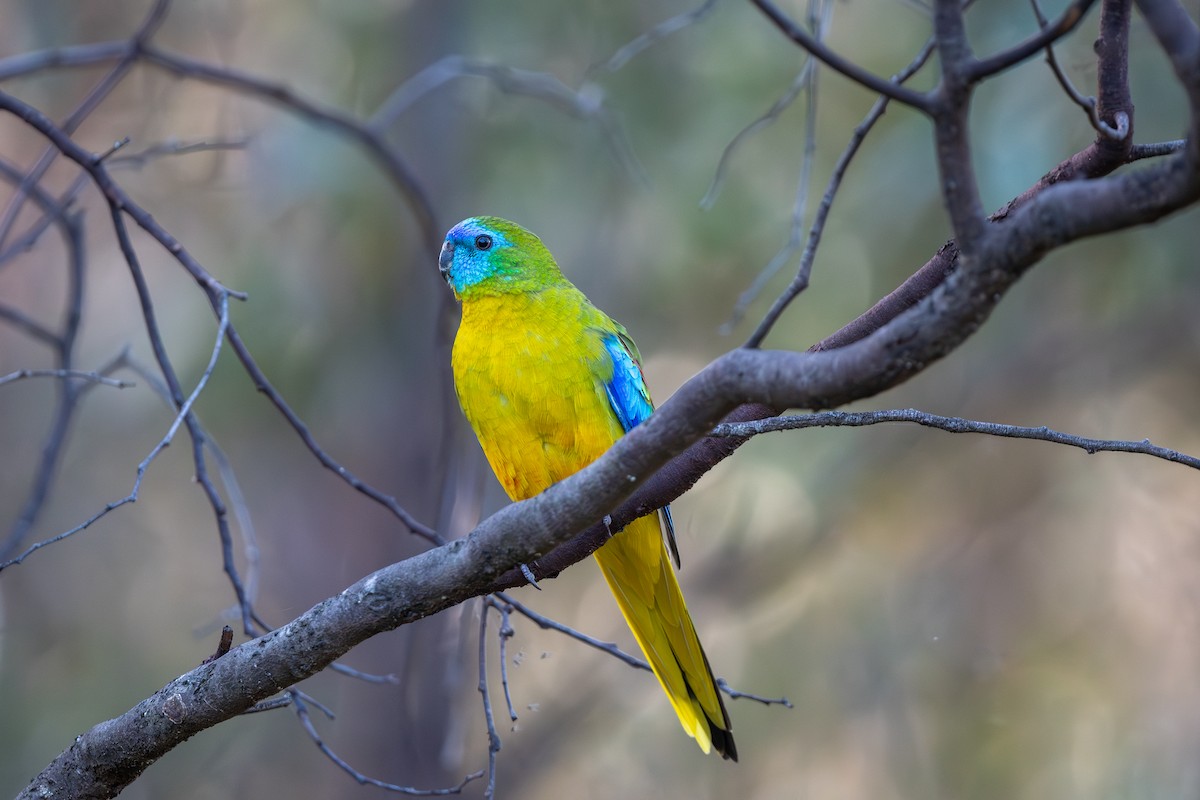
638,570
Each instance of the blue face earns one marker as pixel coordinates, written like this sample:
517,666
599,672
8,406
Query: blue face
469,254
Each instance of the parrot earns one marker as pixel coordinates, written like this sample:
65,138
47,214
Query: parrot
548,382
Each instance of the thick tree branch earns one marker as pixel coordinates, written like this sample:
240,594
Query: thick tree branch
1100,158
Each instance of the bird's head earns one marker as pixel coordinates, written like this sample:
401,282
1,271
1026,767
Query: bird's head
489,255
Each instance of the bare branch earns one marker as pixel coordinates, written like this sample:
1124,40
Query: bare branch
656,34
89,104
1088,104
63,374
820,24
387,501
548,624
493,736
302,714
586,103
1156,149
773,113
855,419
278,94
177,148
28,325
734,694
1066,22
183,414
503,634
119,201
848,68
1098,159
74,56
807,258
70,226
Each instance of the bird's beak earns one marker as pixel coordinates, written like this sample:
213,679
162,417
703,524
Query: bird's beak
445,259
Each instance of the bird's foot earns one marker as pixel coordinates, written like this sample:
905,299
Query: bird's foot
528,573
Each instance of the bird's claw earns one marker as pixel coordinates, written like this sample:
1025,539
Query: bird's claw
528,573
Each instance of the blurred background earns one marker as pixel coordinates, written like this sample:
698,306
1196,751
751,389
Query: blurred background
950,616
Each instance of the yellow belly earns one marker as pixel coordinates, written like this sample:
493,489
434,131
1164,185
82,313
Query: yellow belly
530,371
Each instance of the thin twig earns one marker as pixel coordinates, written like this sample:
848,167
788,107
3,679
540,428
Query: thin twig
770,116
183,413
825,419
836,62
493,736
90,103
228,478
119,200
329,462
245,523
308,698
587,103
223,645
656,34
1156,149
546,623
28,325
800,282
71,56
90,377
504,633
153,152
609,648
388,678
820,22
53,210
1066,22
219,298
734,694
301,707
1088,104
270,705
70,224
279,94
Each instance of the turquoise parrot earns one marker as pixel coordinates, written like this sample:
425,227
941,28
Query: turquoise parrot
549,382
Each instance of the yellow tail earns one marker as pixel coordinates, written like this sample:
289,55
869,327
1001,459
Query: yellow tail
639,572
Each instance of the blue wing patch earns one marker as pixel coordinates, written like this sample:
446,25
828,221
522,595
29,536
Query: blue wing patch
626,389
631,402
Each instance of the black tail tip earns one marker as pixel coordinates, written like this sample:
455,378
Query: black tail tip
723,743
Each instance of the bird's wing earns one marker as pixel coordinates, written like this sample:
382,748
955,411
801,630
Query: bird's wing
630,401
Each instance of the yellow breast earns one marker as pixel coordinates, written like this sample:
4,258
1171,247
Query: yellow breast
530,371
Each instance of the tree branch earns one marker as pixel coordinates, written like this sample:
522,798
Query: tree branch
836,62
857,419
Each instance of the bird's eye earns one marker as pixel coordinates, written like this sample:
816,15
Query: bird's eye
483,242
